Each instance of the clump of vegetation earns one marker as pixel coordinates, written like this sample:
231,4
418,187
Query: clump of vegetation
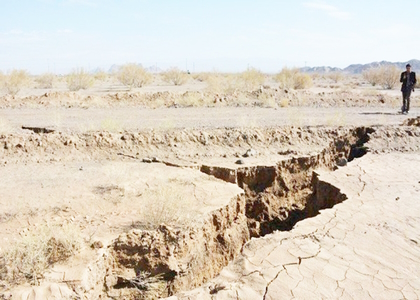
203,76
372,76
175,76
30,257
293,79
79,79
101,75
133,75
336,76
252,79
386,76
223,83
16,80
165,205
45,81
390,76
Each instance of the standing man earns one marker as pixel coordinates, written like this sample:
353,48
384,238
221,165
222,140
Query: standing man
408,80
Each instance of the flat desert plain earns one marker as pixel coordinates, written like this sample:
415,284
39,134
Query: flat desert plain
186,192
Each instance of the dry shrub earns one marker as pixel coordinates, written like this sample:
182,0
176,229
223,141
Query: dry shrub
293,79
267,100
165,205
30,257
79,79
336,76
133,75
101,75
194,99
316,76
390,76
252,79
387,76
223,83
175,76
15,81
45,81
372,76
203,76
284,102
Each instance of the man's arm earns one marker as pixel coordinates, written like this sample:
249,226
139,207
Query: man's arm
402,77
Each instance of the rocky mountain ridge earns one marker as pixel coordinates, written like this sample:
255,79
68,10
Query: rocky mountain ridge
359,68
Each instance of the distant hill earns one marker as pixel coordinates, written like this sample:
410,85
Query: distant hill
151,69
359,68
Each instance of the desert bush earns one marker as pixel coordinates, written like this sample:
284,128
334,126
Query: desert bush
101,75
336,76
223,83
45,81
133,75
390,76
372,76
252,79
175,76
293,79
284,102
165,205
203,76
316,76
386,76
30,257
268,100
79,79
14,81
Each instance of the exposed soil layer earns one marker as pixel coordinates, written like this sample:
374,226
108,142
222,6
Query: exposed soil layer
279,181
262,97
275,198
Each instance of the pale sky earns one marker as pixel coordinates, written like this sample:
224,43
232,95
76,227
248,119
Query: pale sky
203,35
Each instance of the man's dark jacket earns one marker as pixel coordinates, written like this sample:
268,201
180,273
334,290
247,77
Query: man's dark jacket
408,87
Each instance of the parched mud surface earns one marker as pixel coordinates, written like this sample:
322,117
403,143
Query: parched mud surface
274,170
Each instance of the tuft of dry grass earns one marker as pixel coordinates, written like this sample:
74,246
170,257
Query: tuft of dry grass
45,81
194,99
165,205
34,253
16,80
252,79
203,76
79,79
284,102
101,75
387,76
175,76
222,83
293,79
133,75
336,76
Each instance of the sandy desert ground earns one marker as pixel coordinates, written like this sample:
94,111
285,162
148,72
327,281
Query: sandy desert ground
181,192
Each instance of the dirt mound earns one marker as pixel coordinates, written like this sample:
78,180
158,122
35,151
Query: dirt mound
267,97
412,122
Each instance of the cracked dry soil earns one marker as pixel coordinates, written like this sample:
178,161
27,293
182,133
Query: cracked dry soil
233,205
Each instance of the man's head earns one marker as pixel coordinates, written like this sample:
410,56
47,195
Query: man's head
408,67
